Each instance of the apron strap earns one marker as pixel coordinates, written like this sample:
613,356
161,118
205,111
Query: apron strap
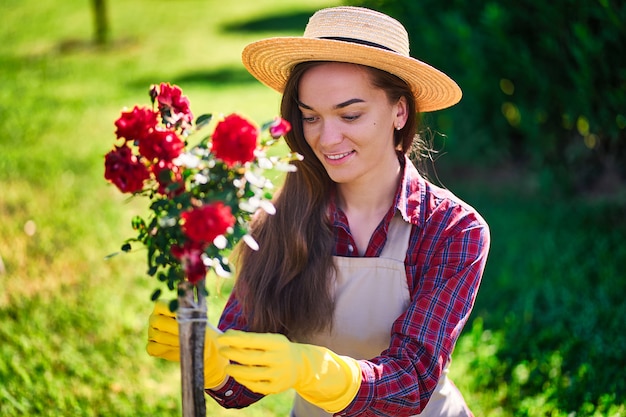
398,236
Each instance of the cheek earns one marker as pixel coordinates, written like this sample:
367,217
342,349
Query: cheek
309,145
310,134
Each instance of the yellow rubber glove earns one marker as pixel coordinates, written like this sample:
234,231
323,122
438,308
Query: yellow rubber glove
163,343
269,363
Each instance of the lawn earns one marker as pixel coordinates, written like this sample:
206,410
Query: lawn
546,336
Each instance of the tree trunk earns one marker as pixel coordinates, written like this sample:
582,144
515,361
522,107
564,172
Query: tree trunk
101,22
192,317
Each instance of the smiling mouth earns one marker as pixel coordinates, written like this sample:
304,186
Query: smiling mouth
338,156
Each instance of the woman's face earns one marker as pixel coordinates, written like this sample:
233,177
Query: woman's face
348,122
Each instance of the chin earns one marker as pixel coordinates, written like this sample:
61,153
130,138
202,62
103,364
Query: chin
341,178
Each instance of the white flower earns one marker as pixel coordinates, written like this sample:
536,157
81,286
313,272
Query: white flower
265,163
254,179
216,265
201,178
220,242
247,205
252,244
187,160
167,221
220,271
285,167
267,206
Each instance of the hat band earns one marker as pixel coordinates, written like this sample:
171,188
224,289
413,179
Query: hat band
358,41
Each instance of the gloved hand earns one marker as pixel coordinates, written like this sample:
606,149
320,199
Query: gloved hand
163,343
269,363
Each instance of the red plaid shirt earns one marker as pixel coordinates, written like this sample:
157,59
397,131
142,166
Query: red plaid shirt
444,264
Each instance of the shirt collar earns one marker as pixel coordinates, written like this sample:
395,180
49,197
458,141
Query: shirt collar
410,192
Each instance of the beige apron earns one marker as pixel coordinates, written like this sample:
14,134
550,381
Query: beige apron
370,295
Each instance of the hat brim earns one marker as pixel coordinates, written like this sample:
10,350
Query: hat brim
271,61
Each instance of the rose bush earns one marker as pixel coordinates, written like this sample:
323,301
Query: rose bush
202,189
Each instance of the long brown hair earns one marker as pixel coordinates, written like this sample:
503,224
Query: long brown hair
286,286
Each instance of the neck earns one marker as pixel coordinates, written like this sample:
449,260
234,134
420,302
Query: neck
371,195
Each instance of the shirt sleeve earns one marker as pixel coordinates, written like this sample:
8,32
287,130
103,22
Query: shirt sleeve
233,394
446,259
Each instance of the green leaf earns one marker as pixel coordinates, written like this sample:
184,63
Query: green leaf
172,275
161,259
138,223
155,295
173,305
173,187
203,120
267,125
152,270
204,291
151,252
126,247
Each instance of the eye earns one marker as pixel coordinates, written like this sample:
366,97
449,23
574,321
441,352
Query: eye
308,119
351,117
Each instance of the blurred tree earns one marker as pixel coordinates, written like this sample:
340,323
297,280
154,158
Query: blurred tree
544,83
101,22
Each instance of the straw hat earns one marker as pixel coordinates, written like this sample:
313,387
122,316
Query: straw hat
355,35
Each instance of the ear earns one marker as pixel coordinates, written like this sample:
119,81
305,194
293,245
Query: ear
401,114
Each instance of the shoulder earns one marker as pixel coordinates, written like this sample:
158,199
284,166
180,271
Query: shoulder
440,203
447,233
428,205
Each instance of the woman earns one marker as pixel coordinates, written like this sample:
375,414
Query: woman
367,273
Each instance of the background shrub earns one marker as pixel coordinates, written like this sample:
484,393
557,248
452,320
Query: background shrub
544,104
544,82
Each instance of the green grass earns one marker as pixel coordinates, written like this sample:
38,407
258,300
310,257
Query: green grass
545,338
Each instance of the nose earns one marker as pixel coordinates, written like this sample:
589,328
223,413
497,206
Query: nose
330,134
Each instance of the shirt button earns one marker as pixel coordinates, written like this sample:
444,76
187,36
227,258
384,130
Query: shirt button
351,248
228,393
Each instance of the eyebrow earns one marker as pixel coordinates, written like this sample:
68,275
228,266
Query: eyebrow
338,106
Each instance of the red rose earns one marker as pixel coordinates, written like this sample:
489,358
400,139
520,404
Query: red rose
123,169
173,104
190,256
279,128
169,177
235,140
204,224
136,124
162,145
